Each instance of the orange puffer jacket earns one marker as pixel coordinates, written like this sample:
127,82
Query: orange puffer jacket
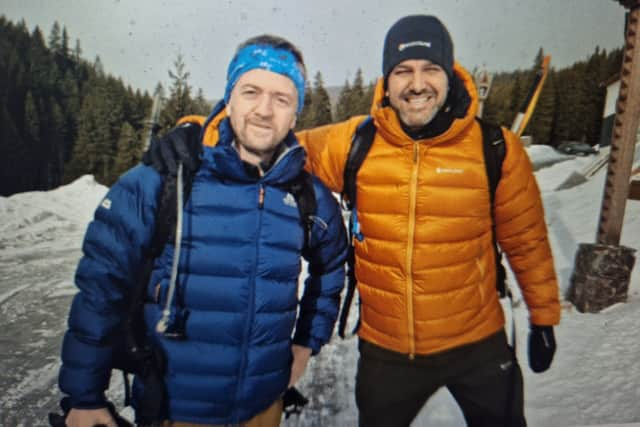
425,267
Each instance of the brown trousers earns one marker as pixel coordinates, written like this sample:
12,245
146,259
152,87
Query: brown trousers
270,417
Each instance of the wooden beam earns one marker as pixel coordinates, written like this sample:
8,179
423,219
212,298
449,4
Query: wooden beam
624,136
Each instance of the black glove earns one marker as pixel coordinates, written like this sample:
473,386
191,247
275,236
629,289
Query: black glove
180,144
293,401
542,346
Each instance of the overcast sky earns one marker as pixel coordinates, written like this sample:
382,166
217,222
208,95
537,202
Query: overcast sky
139,39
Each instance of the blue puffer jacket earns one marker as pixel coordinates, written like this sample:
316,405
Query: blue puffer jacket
237,286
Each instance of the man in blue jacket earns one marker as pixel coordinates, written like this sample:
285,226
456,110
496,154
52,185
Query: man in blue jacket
235,294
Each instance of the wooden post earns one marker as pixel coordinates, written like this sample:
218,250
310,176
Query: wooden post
623,141
602,271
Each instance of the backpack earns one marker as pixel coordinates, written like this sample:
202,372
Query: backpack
133,353
494,151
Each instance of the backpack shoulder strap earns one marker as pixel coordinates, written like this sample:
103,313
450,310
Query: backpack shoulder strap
303,192
360,146
181,144
494,150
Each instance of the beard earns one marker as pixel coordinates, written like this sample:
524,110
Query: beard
416,118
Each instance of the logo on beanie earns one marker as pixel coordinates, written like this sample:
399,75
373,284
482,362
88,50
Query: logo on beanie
403,46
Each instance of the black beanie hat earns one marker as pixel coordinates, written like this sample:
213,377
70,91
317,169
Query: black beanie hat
418,37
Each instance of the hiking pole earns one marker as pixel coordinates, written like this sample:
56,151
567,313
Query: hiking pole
526,110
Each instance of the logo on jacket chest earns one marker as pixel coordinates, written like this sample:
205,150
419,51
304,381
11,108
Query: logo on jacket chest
454,171
289,200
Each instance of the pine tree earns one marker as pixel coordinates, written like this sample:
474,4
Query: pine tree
98,68
84,157
64,44
368,97
306,115
358,96
55,39
321,102
56,136
595,93
41,67
77,52
179,103
343,109
201,105
129,151
515,99
32,120
13,155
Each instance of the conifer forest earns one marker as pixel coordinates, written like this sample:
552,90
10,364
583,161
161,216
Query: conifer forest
63,116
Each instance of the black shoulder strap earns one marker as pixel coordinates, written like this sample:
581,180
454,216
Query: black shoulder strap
494,149
177,146
493,146
303,192
360,146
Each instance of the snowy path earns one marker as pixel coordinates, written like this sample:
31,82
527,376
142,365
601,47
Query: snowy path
594,380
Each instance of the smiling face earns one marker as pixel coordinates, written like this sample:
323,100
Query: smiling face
262,109
417,89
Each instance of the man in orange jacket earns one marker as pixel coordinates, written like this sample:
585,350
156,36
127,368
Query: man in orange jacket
430,315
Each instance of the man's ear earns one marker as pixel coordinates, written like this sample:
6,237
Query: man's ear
293,122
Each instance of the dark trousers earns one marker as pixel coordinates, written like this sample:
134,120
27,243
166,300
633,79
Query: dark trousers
483,377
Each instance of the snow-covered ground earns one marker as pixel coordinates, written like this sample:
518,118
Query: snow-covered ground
594,380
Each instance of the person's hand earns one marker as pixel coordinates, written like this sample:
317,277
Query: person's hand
542,347
301,357
90,418
180,144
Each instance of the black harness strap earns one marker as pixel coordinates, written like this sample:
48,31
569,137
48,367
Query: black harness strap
360,146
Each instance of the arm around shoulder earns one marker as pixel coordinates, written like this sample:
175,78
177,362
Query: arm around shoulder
327,149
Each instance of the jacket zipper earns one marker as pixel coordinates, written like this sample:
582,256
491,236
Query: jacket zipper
413,189
252,296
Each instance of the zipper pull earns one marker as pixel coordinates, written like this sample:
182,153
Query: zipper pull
416,151
261,197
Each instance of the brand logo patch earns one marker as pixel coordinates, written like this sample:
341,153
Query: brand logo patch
289,200
403,46
450,170
106,203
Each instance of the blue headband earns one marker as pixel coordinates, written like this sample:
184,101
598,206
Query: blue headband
268,58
